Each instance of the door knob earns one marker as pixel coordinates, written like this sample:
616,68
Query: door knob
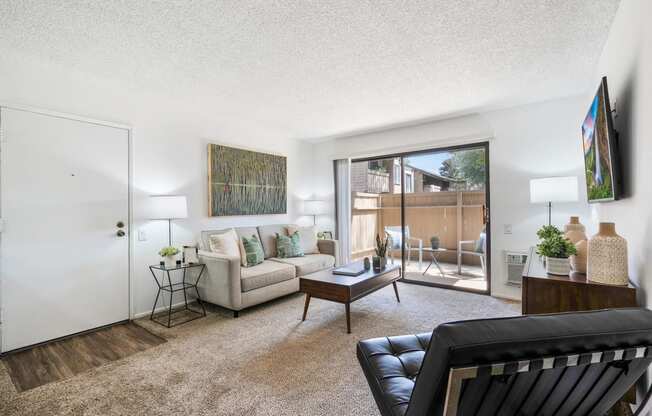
120,224
120,233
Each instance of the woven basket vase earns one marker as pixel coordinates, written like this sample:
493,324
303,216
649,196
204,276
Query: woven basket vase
607,257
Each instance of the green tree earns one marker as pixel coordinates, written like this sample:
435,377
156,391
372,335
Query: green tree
447,169
466,165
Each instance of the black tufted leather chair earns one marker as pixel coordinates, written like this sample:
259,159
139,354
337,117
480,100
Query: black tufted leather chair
578,363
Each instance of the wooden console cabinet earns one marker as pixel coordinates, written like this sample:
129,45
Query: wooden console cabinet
547,293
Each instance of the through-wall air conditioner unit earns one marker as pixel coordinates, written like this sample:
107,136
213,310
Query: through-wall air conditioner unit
515,261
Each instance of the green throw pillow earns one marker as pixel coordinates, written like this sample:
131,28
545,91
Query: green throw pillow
253,250
289,246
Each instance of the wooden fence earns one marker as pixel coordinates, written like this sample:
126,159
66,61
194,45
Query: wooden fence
450,215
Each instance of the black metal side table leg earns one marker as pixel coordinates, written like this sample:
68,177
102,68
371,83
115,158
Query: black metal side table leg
185,297
200,302
171,293
201,272
151,317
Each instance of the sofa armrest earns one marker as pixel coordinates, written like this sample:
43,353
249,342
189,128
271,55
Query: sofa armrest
221,285
330,247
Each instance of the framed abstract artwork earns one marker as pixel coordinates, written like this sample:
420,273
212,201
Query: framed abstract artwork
244,182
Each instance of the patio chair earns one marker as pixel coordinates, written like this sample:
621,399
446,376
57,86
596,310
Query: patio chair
579,363
479,250
395,238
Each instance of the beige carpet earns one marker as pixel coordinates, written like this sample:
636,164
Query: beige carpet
267,362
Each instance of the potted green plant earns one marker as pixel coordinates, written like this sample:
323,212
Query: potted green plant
169,256
380,259
434,242
556,249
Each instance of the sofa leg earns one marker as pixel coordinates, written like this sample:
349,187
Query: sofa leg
236,314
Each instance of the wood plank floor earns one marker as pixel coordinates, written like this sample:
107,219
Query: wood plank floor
63,359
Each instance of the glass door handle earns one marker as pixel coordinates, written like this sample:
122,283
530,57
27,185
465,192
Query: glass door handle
485,214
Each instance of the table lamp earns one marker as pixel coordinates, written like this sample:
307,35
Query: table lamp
314,207
555,189
168,207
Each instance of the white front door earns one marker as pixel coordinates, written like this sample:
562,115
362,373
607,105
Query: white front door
64,189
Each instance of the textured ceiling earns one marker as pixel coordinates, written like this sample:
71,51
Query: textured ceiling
314,69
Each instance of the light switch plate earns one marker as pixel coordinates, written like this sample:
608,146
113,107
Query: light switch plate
507,229
142,235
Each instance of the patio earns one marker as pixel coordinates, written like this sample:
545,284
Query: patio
452,216
471,277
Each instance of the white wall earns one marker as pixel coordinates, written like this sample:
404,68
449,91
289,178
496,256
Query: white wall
627,62
170,137
543,140
526,142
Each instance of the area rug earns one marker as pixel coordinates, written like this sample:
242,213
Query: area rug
266,362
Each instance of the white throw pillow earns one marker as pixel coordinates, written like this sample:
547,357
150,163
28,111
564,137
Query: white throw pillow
225,244
307,237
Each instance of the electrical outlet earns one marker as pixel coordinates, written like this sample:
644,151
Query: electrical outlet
507,229
142,235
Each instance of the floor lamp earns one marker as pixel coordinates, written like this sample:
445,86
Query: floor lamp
168,207
556,189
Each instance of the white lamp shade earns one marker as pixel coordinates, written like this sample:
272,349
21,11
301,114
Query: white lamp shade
167,207
314,207
557,189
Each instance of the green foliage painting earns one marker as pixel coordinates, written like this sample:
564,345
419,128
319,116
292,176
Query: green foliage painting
243,182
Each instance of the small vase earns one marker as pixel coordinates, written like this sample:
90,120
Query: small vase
607,257
578,261
379,263
575,231
170,262
560,267
367,263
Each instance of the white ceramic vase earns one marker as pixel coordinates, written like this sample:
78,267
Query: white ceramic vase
560,267
575,230
578,261
170,262
576,233
607,257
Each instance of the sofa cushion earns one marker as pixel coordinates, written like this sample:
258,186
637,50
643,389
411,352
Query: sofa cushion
308,237
204,243
309,263
225,243
265,274
246,232
268,238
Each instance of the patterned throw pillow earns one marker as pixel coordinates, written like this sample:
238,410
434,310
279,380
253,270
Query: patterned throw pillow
288,246
253,250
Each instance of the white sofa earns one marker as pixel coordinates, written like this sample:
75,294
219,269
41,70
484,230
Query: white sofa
234,287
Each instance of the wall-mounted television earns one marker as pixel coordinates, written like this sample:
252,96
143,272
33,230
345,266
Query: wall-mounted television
601,159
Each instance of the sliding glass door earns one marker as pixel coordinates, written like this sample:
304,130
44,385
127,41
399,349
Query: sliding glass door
375,206
445,203
432,205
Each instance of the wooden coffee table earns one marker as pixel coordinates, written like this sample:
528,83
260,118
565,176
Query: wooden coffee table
346,289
